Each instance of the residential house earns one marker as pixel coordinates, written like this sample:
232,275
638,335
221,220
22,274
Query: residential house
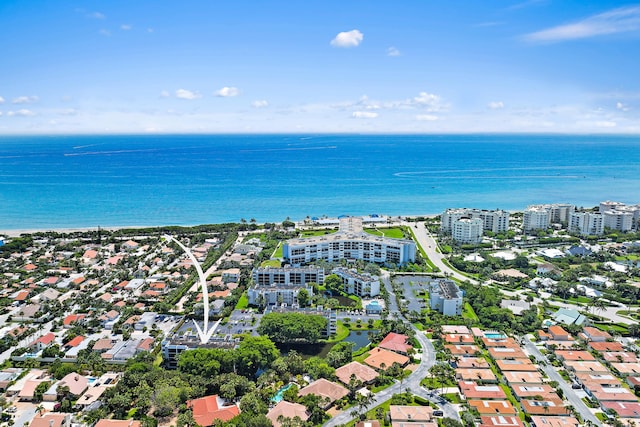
208,409
286,410
326,389
396,342
382,359
360,372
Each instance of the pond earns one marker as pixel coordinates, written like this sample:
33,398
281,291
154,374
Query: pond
359,338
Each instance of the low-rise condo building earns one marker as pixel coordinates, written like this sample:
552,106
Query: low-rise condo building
445,297
265,276
350,242
360,284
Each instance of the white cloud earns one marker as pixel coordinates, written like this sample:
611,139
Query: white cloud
428,101
260,103
605,124
622,107
0,113
25,99
1,100
226,92
150,30
97,15
620,20
68,112
392,51
126,27
495,105
364,115
187,94
21,113
104,32
427,118
165,94
348,39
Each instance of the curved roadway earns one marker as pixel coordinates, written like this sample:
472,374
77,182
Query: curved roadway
412,382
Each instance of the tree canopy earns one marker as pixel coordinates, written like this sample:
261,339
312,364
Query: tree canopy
293,327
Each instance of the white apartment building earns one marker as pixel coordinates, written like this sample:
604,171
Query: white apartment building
445,297
535,218
349,242
265,276
586,223
271,295
492,220
618,220
467,230
360,284
608,205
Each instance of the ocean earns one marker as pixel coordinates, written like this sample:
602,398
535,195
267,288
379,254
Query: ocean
49,182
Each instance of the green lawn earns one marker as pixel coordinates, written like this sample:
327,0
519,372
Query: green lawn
392,232
278,252
271,263
341,333
313,233
469,313
243,302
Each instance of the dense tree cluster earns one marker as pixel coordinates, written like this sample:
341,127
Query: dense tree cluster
293,327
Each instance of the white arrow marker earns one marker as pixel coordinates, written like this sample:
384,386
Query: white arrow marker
204,333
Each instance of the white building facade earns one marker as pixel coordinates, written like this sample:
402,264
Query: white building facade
467,230
350,243
492,220
445,297
586,223
360,284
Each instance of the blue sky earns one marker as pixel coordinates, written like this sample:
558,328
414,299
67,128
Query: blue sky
370,66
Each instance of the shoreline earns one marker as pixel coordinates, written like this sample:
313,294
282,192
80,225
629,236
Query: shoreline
20,231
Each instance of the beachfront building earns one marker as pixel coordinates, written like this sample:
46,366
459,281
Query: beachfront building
467,230
492,220
301,276
586,223
539,217
445,297
350,242
360,284
618,220
620,217
535,218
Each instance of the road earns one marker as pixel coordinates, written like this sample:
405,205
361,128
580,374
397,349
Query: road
553,375
412,382
429,245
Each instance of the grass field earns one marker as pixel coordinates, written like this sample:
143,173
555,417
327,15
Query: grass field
312,233
468,313
243,302
392,232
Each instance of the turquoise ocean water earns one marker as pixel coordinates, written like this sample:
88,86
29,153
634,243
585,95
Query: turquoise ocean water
90,181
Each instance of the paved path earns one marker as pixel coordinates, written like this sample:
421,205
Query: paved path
553,375
429,245
411,383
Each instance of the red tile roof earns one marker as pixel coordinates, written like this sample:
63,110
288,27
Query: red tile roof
209,408
396,342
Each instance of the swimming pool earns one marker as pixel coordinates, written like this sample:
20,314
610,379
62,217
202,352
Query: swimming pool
279,395
495,335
